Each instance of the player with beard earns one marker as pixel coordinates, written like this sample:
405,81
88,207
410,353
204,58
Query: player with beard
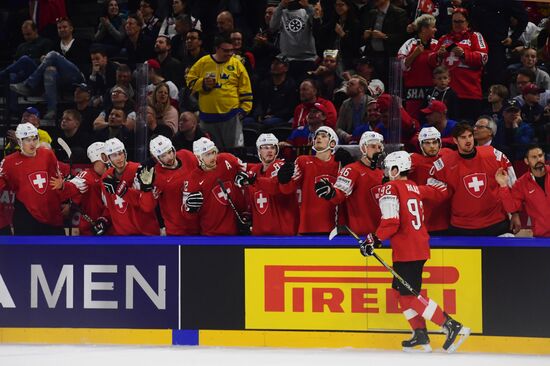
529,191
27,173
436,212
273,213
469,173
123,199
358,185
202,194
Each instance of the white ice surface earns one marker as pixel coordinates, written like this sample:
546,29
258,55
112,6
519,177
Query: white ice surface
48,355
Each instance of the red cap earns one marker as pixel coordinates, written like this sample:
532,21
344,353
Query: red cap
435,106
153,64
531,88
320,107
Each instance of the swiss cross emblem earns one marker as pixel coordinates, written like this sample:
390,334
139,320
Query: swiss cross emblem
475,184
261,202
376,192
120,204
39,181
220,195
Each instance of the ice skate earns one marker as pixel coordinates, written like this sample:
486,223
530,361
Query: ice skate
453,330
419,342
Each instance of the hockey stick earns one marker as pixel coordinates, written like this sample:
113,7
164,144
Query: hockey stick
241,220
85,216
69,153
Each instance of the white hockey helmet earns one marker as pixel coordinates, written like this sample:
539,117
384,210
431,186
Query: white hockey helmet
159,145
95,152
202,146
332,136
399,159
25,130
370,137
113,146
267,139
428,133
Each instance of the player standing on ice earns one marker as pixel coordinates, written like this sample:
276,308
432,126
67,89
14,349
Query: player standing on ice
402,223
358,184
171,170
273,213
123,198
203,195
27,173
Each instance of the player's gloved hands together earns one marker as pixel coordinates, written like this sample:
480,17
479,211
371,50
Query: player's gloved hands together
194,201
324,189
244,178
146,176
343,157
110,184
285,173
368,245
101,226
80,184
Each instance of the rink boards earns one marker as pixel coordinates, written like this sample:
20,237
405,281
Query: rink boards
270,291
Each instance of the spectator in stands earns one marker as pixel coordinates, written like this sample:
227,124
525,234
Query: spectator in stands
498,94
529,61
409,125
353,111
513,133
77,139
417,72
170,67
327,76
46,15
246,57
156,78
82,100
120,100
485,130
30,115
193,48
103,75
308,97
110,31
443,92
116,127
303,135
464,53
224,97
296,24
527,39
183,26
34,45
370,123
532,111
137,47
277,95
385,31
166,113
436,116
151,24
529,191
156,127
179,8
365,68
263,44
188,131
225,22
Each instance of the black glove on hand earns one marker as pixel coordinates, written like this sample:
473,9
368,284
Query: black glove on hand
376,242
343,157
368,245
146,176
243,179
286,172
110,184
376,157
194,201
324,189
100,227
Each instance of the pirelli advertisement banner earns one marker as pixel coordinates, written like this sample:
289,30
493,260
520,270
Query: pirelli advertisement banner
337,289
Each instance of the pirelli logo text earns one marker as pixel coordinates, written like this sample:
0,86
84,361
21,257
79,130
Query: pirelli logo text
337,289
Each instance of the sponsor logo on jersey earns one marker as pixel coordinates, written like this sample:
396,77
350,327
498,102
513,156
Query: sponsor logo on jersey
39,181
475,184
220,195
261,202
438,164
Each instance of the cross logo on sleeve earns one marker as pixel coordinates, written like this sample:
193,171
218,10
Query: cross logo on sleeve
261,202
475,184
39,181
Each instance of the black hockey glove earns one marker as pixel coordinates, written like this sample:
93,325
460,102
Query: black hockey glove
110,184
244,178
343,157
194,201
286,172
244,227
376,158
146,176
368,245
100,227
324,189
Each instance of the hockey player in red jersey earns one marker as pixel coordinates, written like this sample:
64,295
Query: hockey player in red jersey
317,216
27,173
123,199
171,170
476,209
203,195
85,188
402,223
358,184
437,213
273,213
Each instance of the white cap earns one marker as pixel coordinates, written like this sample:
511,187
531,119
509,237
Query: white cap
202,146
399,159
266,139
376,88
428,133
25,130
369,137
114,145
95,151
159,145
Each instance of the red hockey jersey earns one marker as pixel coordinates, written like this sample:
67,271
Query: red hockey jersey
475,203
7,199
359,185
29,178
403,221
127,213
317,215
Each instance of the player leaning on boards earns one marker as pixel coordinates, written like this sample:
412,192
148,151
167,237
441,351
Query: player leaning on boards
403,224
